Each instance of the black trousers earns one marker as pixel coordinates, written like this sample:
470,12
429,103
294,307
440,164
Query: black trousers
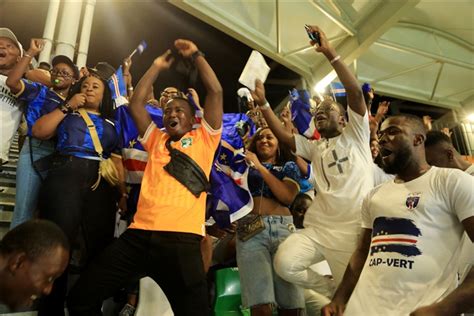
172,260
67,199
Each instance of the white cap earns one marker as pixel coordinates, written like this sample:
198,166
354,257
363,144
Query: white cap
5,32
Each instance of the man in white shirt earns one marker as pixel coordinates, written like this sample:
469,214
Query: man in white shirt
440,152
408,254
10,112
342,165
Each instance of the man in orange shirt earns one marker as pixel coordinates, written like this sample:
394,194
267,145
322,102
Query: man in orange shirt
163,241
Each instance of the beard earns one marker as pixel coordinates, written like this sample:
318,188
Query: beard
399,161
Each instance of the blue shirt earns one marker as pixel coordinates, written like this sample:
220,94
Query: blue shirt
39,99
257,185
74,137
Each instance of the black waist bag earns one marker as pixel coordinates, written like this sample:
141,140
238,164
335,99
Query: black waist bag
184,169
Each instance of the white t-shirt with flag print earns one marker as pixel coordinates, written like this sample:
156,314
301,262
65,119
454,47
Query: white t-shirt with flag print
416,239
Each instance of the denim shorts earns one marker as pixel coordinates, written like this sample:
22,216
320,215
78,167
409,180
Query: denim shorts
258,281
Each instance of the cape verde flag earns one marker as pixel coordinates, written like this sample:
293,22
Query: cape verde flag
392,234
230,198
133,154
301,114
118,88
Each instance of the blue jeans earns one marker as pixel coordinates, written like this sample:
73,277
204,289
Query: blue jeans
28,182
259,283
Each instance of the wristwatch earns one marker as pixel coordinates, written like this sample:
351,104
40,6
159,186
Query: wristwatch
196,54
65,108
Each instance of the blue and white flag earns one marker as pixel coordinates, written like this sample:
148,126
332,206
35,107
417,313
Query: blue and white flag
302,118
230,198
337,90
118,88
141,47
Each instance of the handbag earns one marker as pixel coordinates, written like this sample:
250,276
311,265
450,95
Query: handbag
107,168
251,224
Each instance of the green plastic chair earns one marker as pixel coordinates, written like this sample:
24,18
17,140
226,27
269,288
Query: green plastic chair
228,301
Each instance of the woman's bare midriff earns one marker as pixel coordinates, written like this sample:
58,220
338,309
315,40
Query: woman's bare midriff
267,206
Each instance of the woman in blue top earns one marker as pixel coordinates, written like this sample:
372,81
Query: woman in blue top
67,197
273,181
39,100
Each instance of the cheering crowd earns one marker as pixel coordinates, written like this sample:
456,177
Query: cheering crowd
386,203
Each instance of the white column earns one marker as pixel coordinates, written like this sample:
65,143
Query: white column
49,27
70,18
85,33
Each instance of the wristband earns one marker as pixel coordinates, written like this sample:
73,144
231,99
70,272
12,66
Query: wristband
335,59
125,195
196,54
65,108
27,55
265,106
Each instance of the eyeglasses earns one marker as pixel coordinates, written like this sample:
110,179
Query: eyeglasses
63,74
326,108
167,94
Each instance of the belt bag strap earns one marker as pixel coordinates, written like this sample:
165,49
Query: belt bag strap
184,169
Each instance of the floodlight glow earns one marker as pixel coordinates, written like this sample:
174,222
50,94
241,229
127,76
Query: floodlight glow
470,117
320,87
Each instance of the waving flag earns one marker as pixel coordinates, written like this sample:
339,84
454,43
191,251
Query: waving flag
140,48
300,113
230,198
118,88
134,155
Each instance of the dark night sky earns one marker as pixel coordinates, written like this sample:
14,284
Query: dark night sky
119,26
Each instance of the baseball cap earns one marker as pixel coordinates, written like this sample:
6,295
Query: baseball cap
66,60
103,70
6,32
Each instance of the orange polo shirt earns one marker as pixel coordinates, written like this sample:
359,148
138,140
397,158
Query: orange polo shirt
164,203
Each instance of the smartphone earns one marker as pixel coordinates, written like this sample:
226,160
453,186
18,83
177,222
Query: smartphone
314,36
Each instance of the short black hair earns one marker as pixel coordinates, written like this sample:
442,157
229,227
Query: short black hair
414,121
436,137
35,238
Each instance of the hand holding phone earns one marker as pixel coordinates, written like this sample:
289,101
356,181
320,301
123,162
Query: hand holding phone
313,35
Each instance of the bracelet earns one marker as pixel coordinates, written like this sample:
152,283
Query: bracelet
196,54
125,195
27,55
130,88
126,75
335,59
65,108
265,106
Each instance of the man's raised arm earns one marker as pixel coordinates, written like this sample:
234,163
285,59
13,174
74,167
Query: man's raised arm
355,96
213,104
140,115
